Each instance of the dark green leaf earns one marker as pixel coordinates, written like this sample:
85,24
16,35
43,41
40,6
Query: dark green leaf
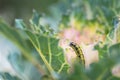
7,76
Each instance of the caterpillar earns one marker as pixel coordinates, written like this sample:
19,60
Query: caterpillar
78,51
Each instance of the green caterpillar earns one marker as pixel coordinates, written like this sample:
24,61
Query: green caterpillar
78,51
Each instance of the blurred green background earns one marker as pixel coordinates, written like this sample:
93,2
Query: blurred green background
11,9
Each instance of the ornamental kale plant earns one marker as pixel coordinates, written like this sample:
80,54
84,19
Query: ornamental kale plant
44,51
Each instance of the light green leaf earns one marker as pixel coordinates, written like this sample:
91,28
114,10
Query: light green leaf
117,32
49,51
25,47
47,47
19,24
24,68
111,36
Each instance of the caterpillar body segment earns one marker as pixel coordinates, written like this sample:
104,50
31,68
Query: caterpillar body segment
78,51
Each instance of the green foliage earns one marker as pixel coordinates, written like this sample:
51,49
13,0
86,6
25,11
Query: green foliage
114,51
51,56
24,46
102,49
40,57
102,11
23,67
47,47
7,76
